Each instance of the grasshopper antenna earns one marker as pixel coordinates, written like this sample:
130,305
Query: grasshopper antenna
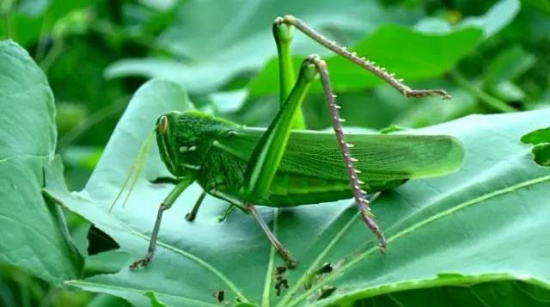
135,171
361,61
358,194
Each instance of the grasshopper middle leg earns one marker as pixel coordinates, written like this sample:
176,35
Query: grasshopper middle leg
285,254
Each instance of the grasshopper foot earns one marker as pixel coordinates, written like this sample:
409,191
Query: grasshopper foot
367,217
426,93
291,263
190,216
142,262
226,214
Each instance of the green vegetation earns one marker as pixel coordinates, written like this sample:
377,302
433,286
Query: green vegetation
75,69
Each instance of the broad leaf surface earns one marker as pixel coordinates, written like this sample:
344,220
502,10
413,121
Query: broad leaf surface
484,223
34,235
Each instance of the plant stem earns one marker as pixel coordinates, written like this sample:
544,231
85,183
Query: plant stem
92,120
487,99
7,26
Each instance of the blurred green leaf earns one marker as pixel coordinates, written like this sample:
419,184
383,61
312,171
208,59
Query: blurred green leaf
32,8
541,139
187,269
497,293
31,19
34,236
542,154
107,301
407,53
433,111
499,16
159,4
505,68
537,137
507,65
215,41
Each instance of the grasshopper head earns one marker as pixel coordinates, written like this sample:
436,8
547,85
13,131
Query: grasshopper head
185,138
167,139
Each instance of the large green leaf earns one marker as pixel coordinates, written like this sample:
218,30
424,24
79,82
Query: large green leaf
484,223
213,41
34,235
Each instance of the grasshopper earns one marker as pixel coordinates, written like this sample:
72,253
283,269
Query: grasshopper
285,165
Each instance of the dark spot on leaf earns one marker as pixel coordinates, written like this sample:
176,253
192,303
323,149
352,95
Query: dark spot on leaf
280,270
325,268
318,273
326,291
280,280
220,296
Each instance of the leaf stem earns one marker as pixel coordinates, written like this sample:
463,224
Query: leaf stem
484,97
7,26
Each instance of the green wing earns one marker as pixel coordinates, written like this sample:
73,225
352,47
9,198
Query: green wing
380,157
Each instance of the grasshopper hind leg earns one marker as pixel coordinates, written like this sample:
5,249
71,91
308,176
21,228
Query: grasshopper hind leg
359,194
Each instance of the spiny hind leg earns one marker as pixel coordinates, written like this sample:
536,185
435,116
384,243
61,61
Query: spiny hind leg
281,249
371,66
353,173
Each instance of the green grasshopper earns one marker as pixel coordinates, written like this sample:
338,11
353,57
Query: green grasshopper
284,165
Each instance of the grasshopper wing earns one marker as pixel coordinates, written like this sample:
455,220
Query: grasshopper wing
381,157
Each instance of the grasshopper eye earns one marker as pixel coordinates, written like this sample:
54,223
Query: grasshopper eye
163,125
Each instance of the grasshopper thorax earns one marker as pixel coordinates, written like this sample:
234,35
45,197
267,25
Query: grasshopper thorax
184,139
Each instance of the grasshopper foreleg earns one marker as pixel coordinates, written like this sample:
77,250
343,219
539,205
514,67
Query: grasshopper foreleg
285,254
153,241
190,216
165,205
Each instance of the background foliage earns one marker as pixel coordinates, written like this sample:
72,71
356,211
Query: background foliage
492,56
